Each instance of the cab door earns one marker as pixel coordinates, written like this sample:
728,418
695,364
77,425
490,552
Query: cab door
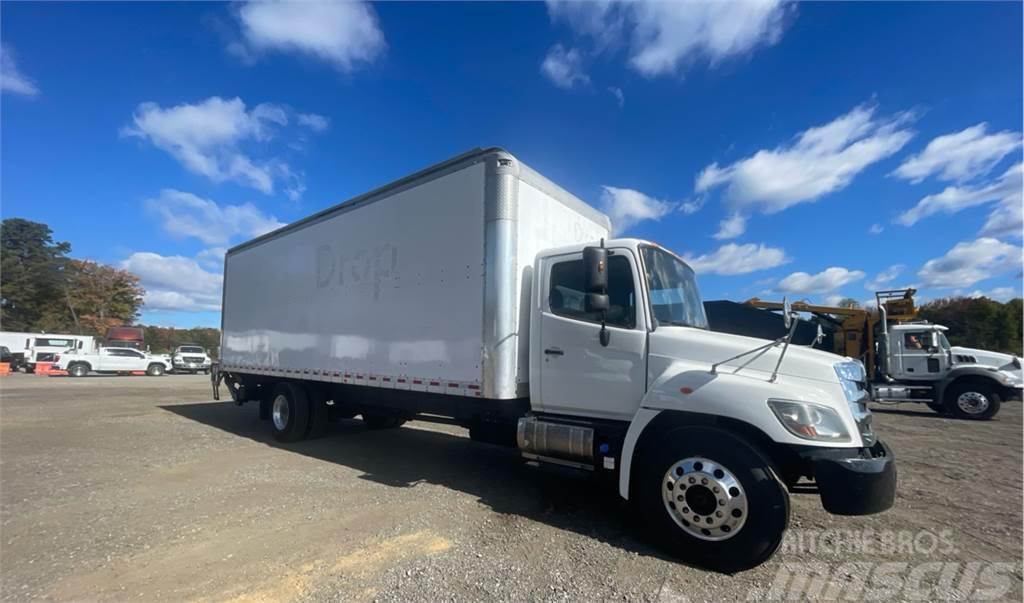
920,357
578,375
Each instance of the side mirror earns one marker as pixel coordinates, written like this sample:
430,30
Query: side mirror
595,269
596,302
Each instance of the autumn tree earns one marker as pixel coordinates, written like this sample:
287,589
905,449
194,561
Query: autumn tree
97,296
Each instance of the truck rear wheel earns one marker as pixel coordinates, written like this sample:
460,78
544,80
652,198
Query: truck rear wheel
710,498
974,399
289,412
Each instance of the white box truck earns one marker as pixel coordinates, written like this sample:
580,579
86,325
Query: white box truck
479,292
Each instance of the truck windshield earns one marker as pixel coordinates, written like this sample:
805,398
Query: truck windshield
673,290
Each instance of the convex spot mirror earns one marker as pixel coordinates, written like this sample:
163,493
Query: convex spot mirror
595,269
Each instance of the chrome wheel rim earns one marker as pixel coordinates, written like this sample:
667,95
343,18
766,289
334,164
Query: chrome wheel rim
280,412
972,402
704,498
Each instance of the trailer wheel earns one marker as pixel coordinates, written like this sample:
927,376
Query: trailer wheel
78,369
289,412
318,413
974,399
155,370
382,420
710,497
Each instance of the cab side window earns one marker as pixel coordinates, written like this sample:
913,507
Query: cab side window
566,292
914,341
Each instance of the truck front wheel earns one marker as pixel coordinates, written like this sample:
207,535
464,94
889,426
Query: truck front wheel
155,370
78,369
711,498
972,400
289,412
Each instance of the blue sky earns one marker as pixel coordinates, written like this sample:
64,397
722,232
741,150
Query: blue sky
810,150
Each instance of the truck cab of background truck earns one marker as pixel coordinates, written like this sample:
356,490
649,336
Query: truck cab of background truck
707,450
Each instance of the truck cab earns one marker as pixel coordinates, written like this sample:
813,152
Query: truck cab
631,349
966,382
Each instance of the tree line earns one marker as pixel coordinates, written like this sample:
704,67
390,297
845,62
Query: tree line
978,322
42,289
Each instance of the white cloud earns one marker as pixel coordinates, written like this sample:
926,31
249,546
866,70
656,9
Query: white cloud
11,78
961,155
627,207
1000,294
826,281
317,123
204,137
883,278
1006,190
341,33
731,259
619,95
212,258
693,206
731,227
876,229
1006,220
174,282
820,160
564,67
969,262
664,38
187,215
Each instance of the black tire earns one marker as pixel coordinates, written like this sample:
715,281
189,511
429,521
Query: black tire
980,404
289,412
382,420
938,407
78,369
767,501
156,370
319,421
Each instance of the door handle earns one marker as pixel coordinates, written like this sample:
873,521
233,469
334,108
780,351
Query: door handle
554,352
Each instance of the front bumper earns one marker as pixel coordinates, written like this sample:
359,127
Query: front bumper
854,481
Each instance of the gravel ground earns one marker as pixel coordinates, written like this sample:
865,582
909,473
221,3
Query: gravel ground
136,488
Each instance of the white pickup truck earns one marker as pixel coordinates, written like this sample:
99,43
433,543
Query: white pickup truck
79,363
190,359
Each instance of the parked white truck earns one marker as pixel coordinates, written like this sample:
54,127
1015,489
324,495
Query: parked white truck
79,363
480,292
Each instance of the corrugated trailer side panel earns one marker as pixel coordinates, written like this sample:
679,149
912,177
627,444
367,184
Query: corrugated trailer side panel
388,294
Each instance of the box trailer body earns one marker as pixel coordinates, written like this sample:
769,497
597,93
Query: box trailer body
418,285
479,293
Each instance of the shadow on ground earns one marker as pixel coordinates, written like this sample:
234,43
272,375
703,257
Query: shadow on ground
407,456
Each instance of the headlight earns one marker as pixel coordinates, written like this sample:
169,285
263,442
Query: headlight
810,421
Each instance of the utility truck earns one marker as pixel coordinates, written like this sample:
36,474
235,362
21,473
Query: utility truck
479,292
46,347
911,360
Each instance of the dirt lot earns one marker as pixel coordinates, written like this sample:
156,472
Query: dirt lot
136,488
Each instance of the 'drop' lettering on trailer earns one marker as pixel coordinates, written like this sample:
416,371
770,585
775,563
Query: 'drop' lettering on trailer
368,265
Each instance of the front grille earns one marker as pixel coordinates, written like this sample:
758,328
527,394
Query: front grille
198,359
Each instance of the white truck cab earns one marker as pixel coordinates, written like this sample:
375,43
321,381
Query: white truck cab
968,382
480,293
